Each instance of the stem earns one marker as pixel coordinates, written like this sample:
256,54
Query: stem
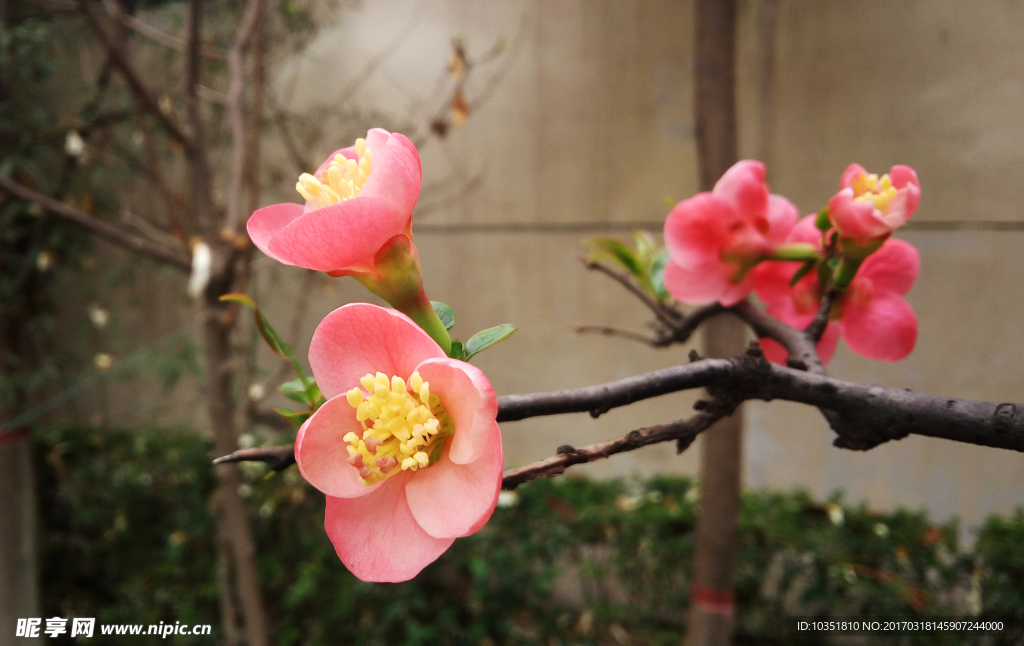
427,319
844,273
800,251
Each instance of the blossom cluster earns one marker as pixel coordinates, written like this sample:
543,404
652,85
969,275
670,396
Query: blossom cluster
402,436
739,238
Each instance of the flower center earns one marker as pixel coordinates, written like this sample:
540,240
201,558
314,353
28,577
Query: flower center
404,426
872,188
342,178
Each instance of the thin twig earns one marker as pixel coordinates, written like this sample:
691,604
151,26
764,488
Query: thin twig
817,326
608,330
663,314
108,231
120,60
683,432
803,352
236,120
157,36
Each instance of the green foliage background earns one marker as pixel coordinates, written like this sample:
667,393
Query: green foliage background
129,537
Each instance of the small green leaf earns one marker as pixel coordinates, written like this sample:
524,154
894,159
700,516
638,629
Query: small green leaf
458,352
295,418
645,252
658,275
803,271
267,331
618,252
486,338
822,221
444,312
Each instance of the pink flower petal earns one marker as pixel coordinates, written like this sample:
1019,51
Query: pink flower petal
856,220
320,451
772,281
885,329
902,176
697,228
341,236
360,338
377,537
266,222
396,174
852,172
469,399
450,500
773,350
894,267
806,230
705,284
782,217
743,187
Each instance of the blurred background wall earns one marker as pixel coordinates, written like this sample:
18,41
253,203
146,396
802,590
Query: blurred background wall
586,129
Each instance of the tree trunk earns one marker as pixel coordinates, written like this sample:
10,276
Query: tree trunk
711,593
233,519
19,567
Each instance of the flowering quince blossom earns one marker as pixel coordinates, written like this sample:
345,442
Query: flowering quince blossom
359,199
869,208
406,447
871,314
715,238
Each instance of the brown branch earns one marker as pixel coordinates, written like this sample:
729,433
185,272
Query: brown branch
108,231
201,193
277,457
666,316
683,432
119,58
157,36
802,350
236,120
817,326
608,330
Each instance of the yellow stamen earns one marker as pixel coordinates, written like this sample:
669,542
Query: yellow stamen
401,419
875,189
341,180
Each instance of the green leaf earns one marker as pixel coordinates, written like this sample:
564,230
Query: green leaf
803,271
303,390
822,221
267,331
486,338
295,418
618,252
658,275
645,252
458,352
444,312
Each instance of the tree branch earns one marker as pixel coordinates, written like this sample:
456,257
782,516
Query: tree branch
236,120
120,59
666,316
105,230
817,326
157,36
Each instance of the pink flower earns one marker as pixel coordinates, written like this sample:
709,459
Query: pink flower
869,207
715,238
360,198
871,314
406,447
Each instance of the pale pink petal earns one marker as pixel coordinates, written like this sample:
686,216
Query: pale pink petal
902,206
266,222
396,174
856,220
772,280
340,236
782,217
360,338
894,267
902,176
704,284
450,500
885,329
743,187
320,450
377,537
376,140
806,230
698,228
852,172
469,399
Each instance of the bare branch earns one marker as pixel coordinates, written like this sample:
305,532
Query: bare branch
277,457
608,330
801,348
120,60
236,120
108,231
817,326
666,316
157,36
683,432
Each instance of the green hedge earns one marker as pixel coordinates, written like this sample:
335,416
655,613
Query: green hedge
129,537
